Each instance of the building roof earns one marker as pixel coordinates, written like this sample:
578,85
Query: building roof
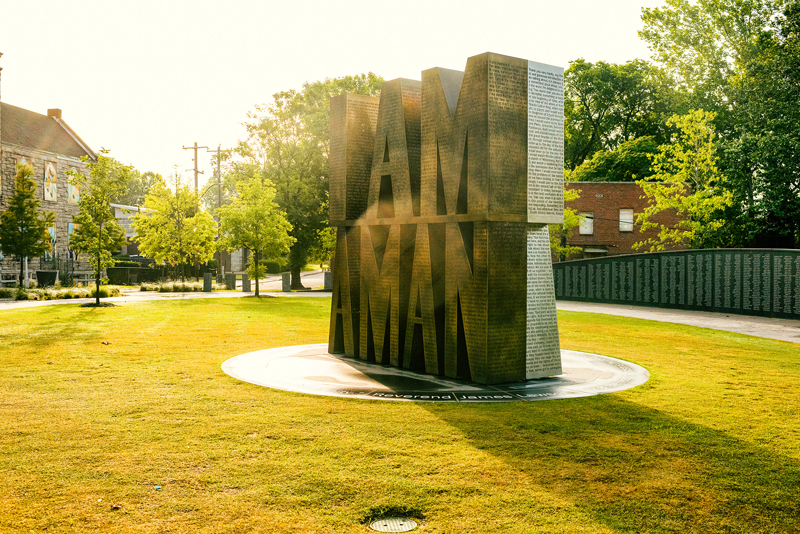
40,132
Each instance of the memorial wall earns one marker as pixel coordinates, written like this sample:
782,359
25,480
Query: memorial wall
745,281
441,191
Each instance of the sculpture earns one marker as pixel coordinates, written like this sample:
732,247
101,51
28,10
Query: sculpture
441,192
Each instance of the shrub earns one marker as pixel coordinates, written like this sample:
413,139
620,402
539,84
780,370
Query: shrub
273,267
64,293
103,293
169,287
150,286
151,274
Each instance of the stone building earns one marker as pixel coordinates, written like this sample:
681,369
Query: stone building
53,148
609,211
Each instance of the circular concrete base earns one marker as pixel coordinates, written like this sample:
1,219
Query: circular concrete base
311,369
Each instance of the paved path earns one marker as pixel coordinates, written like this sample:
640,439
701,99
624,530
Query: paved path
274,282
141,296
781,329
271,286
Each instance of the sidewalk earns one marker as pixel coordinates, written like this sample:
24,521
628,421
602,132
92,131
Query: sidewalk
274,282
141,296
780,329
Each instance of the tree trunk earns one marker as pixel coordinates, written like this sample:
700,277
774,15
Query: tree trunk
296,282
255,272
21,272
97,274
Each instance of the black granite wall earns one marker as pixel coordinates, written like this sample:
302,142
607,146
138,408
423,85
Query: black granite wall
744,281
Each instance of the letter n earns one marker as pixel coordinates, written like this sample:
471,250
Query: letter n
466,304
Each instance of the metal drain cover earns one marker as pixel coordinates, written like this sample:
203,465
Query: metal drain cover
393,524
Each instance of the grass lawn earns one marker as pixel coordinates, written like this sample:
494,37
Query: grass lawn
710,444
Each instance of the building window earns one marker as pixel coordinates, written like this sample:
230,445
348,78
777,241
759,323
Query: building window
626,220
587,223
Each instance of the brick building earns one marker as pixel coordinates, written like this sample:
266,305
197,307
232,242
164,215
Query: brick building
53,148
609,211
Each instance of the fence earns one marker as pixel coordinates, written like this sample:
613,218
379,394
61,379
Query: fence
65,267
744,281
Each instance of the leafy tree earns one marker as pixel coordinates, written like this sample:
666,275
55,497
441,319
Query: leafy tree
762,156
170,231
629,162
97,231
136,189
253,221
23,227
686,179
560,232
607,104
323,253
703,44
324,249
288,142
738,58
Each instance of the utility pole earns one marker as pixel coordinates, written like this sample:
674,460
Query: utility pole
196,172
196,198
219,199
219,174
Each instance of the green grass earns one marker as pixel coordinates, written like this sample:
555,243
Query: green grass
710,444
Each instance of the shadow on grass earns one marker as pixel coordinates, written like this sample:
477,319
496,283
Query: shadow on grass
636,469
54,328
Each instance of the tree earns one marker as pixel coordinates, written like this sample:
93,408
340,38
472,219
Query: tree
23,227
629,162
703,44
686,179
97,231
607,104
737,59
560,232
170,231
288,142
137,188
254,222
762,156
324,249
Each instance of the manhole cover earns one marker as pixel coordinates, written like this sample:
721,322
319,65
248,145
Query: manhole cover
393,524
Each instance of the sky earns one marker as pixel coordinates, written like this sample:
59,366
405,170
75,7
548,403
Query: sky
144,79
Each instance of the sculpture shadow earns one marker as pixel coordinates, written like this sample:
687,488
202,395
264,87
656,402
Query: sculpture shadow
633,468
